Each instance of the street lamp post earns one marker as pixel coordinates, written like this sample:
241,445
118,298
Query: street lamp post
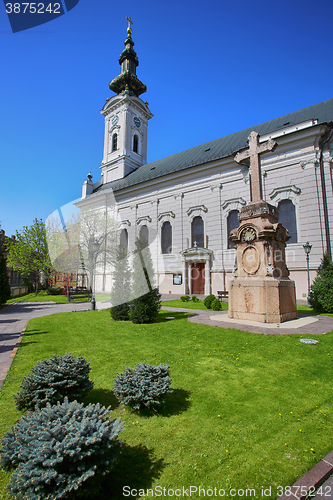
95,246
307,249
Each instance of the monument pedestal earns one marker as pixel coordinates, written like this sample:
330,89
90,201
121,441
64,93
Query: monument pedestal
261,289
264,299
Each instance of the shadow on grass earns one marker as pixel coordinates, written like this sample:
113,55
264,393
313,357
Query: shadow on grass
175,403
177,315
136,467
29,333
102,396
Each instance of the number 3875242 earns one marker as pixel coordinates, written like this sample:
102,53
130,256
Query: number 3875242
33,8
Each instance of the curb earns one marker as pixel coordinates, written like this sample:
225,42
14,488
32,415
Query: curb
311,480
12,355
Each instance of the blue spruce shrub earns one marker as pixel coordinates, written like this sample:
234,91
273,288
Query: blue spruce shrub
145,309
53,379
208,300
144,385
60,449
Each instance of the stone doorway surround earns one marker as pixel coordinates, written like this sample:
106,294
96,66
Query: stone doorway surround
196,255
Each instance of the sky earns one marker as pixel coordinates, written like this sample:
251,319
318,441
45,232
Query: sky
211,68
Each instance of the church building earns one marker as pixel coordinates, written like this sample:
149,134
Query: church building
186,205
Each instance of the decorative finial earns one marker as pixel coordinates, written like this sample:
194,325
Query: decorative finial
89,175
129,29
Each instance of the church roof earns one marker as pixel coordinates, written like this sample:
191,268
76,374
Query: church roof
219,148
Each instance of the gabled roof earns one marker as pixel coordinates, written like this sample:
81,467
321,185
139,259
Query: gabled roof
219,148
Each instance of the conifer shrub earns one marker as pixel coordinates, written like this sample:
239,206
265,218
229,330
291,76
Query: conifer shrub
120,312
216,305
321,294
60,449
145,309
145,385
208,300
185,298
53,379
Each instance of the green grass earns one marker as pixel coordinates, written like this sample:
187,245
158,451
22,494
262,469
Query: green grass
247,411
59,299
191,305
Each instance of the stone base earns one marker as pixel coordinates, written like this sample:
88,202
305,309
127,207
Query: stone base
267,300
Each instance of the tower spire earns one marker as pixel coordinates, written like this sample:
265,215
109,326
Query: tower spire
127,82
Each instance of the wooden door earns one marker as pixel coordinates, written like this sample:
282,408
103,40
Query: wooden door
198,278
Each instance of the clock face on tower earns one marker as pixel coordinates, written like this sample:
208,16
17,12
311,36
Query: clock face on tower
137,122
248,234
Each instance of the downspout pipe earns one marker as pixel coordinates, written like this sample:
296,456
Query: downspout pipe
324,140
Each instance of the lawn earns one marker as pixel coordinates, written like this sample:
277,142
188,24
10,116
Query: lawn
59,299
247,411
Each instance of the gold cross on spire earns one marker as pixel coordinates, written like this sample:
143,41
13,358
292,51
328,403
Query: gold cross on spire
129,29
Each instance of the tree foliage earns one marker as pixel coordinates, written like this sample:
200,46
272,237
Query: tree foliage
28,254
144,385
59,450
4,281
121,286
52,380
209,300
321,294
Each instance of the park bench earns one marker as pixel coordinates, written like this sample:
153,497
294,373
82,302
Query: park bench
222,294
78,292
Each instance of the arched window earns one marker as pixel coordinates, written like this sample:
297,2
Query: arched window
166,237
124,239
143,235
287,217
114,142
136,144
232,223
198,232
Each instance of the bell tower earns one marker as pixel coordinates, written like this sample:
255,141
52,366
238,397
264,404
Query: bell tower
126,118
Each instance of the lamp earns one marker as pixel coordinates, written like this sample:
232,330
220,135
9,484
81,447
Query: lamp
307,249
95,247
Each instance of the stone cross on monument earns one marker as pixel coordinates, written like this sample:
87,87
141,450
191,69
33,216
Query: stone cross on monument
253,152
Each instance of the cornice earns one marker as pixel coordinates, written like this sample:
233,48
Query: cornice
145,218
200,208
283,189
239,200
166,214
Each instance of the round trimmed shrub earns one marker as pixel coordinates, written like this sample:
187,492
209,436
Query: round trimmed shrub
185,298
60,449
53,379
208,300
216,305
144,385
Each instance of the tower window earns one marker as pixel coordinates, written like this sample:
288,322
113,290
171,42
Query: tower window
136,144
124,239
232,223
114,142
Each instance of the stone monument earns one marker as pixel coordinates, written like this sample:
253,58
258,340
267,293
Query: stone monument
261,289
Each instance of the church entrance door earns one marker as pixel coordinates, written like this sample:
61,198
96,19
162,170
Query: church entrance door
198,278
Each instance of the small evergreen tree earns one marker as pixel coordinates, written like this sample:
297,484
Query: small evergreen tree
53,379
146,299
144,385
60,449
121,287
4,282
208,300
321,294
216,305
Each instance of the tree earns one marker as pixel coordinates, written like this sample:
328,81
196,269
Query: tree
4,282
28,253
121,286
321,294
146,300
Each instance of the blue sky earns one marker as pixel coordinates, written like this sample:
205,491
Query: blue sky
211,68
